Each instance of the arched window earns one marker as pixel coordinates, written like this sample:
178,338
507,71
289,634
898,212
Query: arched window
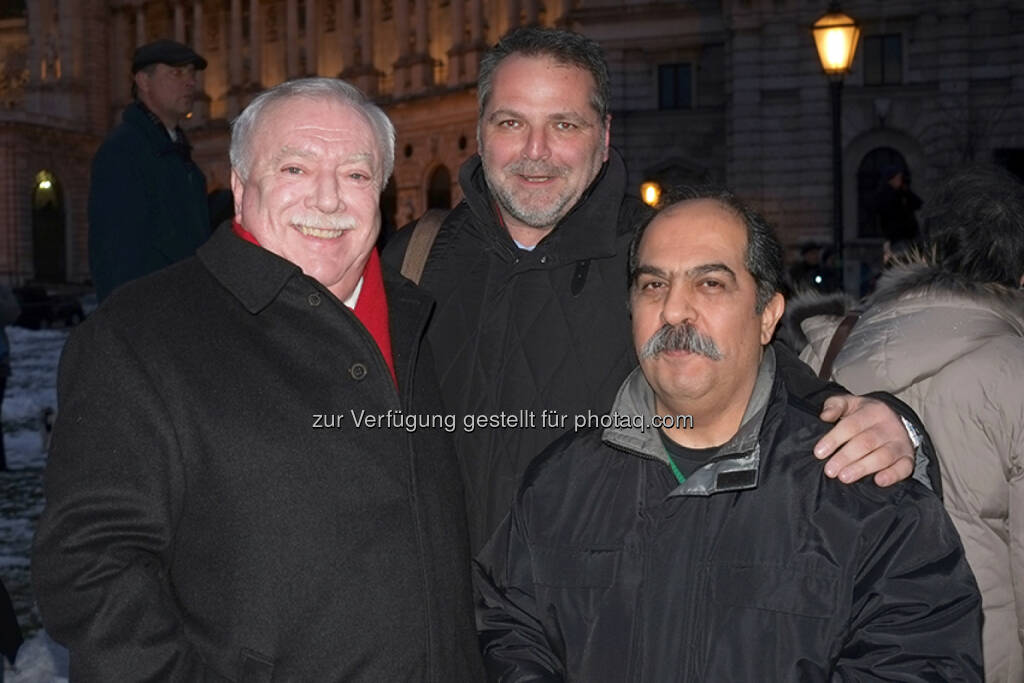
869,181
439,189
49,257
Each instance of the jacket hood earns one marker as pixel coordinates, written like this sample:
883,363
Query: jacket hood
919,320
575,237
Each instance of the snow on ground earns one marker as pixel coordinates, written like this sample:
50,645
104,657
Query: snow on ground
31,389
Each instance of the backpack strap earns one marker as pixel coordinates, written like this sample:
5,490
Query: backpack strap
836,345
422,239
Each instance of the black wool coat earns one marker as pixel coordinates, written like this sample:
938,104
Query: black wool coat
199,526
147,202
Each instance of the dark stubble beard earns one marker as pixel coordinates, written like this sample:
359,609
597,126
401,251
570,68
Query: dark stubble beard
541,217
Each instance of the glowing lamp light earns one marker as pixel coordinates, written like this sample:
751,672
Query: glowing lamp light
835,36
651,193
45,184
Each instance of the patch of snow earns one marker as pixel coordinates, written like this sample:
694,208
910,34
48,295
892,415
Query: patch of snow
40,660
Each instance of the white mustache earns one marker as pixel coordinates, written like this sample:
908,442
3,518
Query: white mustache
323,221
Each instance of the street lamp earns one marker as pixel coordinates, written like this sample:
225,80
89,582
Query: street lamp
835,35
650,192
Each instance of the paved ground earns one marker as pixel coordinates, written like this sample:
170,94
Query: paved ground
21,501
31,390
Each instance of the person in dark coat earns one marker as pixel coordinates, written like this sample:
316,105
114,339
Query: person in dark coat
692,537
529,275
896,206
232,492
147,198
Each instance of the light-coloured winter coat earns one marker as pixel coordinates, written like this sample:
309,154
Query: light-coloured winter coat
954,351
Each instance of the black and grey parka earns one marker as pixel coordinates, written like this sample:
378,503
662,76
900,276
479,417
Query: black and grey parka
756,568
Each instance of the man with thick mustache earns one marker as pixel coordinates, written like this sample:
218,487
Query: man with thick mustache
714,549
199,526
528,272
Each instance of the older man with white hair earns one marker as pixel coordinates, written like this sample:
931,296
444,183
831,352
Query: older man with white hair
205,520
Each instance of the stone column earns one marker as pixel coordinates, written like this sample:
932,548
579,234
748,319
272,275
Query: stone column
401,65
69,44
38,14
255,46
362,72
346,28
530,12
512,14
422,66
457,48
366,34
201,108
120,64
234,53
477,40
291,38
179,22
312,35
140,25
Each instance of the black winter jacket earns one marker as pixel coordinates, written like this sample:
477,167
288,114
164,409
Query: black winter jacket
203,524
757,568
518,330
147,202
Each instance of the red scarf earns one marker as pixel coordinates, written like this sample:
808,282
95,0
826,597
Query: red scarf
371,306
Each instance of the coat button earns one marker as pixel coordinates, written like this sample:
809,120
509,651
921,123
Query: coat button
358,371
313,299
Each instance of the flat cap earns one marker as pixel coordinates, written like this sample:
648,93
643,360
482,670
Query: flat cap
167,52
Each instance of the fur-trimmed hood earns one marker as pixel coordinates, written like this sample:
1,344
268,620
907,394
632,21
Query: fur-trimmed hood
919,319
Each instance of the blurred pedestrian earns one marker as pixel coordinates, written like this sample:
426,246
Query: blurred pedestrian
895,206
147,198
944,331
9,312
813,271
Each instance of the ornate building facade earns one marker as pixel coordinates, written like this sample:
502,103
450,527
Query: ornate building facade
723,89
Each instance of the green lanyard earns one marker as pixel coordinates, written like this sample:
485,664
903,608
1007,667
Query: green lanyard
680,477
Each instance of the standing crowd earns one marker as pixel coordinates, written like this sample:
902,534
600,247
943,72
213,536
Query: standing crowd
199,527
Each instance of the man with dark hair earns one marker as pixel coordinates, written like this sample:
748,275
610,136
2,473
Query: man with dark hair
693,538
528,272
944,331
147,198
215,511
